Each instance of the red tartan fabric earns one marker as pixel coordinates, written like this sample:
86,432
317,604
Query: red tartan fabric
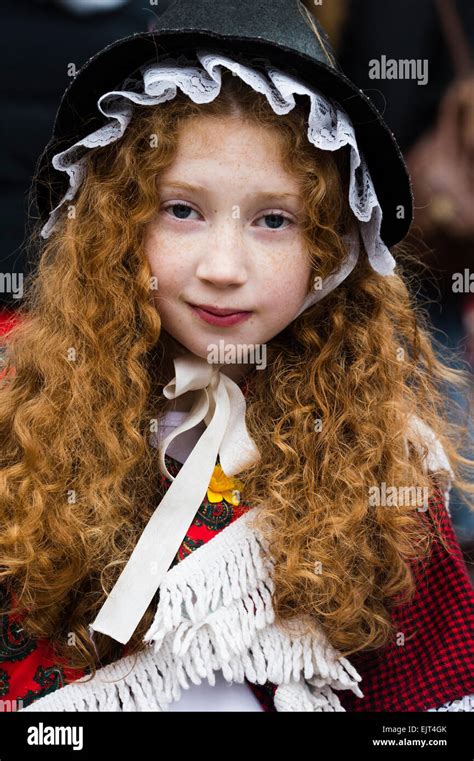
436,663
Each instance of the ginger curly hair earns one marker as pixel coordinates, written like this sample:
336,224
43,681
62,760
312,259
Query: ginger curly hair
78,476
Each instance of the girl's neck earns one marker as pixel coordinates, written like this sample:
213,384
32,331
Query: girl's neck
172,349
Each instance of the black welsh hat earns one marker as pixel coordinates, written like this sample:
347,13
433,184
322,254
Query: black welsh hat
282,31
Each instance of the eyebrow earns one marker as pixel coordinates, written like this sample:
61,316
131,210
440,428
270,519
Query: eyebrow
259,194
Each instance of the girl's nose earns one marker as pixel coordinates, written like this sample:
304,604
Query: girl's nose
223,261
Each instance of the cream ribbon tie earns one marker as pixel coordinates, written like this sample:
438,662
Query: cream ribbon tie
220,403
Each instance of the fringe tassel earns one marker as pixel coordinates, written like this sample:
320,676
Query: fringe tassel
215,612
297,696
463,704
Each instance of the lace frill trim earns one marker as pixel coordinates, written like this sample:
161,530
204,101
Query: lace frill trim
436,458
329,128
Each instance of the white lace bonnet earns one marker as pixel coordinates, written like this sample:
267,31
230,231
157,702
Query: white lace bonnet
219,401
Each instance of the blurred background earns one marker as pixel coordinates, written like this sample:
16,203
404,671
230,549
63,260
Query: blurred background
414,59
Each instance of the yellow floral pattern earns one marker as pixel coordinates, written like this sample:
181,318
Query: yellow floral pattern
224,487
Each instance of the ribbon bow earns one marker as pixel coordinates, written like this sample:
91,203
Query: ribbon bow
220,403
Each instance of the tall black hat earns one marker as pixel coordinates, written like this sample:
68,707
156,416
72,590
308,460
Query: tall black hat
279,30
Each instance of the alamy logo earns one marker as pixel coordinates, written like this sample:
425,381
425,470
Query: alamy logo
394,496
9,705
223,354
12,282
463,282
47,735
404,68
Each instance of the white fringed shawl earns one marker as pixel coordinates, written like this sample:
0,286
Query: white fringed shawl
215,612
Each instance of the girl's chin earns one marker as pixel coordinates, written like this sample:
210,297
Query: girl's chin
214,345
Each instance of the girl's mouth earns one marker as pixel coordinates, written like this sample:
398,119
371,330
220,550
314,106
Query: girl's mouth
223,320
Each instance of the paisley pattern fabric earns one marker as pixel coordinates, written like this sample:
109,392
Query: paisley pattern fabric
211,517
29,668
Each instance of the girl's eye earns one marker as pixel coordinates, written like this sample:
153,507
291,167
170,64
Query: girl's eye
182,210
274,220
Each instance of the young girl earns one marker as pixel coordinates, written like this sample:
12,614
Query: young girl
225,457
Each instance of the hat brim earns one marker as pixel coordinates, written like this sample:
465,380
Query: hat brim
78,114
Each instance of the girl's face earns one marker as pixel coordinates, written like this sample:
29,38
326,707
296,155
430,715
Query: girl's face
226,235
